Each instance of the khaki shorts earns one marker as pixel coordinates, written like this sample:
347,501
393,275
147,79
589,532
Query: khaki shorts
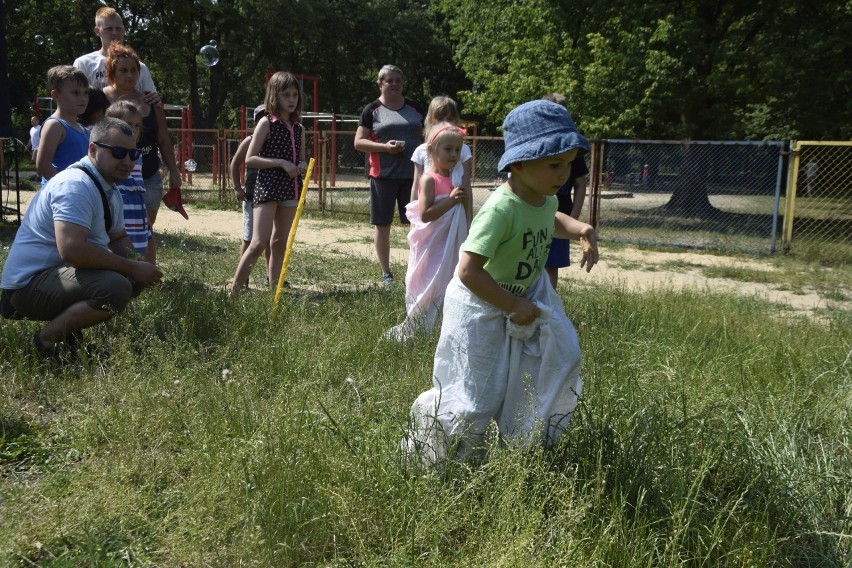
54,290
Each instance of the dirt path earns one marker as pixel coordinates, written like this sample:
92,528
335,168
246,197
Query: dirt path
636,269
655,271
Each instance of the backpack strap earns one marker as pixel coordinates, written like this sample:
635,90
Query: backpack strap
104,200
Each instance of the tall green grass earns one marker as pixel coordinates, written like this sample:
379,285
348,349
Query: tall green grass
711,432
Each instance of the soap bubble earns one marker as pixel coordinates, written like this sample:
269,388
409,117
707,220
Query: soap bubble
212,42
190,165
209,55
50,41
200,92
39,40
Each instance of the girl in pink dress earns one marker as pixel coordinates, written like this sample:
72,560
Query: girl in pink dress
438,228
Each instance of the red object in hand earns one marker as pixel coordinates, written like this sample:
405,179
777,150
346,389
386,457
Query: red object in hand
173,201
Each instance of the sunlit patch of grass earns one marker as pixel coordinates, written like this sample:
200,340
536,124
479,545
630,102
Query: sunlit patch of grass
677,266
838,295
782,272
399,238
742,274
205,433
624,264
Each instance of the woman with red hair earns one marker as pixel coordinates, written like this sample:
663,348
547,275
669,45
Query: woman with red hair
122,72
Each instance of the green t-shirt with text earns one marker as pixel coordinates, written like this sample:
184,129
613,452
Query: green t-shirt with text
515,237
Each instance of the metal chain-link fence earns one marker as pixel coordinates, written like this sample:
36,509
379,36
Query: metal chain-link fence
345,187
203,158
818,206
11,155
725,196
708,195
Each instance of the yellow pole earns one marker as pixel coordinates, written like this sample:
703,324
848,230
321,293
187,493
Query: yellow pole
790,202
291,238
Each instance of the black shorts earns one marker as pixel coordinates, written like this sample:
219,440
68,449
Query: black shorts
558,256
384,193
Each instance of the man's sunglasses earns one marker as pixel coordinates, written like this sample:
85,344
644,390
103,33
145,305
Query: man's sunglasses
119,153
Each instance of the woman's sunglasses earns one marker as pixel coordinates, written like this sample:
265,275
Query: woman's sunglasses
119,153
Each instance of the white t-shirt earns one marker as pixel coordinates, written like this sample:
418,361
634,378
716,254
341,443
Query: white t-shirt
421,158
35,136
94,66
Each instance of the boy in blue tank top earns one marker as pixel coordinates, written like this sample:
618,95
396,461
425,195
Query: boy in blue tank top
64,141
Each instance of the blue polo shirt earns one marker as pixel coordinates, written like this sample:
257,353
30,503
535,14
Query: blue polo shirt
69,196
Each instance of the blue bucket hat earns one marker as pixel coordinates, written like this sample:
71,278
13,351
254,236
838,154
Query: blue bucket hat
538,129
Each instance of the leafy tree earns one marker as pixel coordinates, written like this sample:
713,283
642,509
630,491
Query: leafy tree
682,69
659,69
662,69
800,80
60,44
508,51
337,40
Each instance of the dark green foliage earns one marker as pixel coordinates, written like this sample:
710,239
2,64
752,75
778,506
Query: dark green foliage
664,69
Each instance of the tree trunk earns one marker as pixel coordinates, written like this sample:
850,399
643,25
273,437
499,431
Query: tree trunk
689,195
690,200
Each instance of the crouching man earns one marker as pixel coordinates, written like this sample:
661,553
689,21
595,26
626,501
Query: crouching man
70,263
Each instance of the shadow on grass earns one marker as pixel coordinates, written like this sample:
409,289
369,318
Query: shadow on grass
19,442
191,243
184,309
724,223
100,543
7,235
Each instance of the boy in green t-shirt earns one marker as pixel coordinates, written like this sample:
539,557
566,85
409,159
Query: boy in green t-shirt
507,350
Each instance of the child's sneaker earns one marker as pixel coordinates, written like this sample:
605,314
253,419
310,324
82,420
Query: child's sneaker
387,279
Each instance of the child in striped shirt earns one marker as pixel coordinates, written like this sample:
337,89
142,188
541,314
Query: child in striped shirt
133,188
